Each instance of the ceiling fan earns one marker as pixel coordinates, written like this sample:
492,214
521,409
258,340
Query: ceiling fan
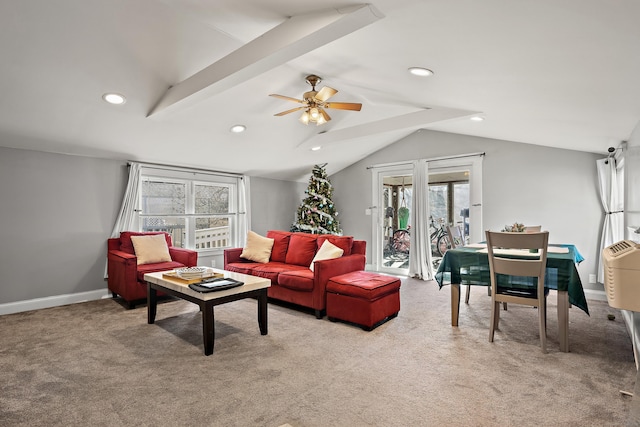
316,102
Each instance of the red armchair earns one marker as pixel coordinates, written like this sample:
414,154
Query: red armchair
126,277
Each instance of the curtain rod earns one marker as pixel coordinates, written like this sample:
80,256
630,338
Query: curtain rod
410,162
185,169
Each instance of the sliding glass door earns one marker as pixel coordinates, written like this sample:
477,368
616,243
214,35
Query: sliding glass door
393,192
455,195
455,198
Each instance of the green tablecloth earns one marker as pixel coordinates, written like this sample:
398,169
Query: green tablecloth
469,266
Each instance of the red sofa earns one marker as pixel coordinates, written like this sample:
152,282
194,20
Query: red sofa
126,277
288,268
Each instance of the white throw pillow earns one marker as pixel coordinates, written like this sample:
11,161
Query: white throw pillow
258,248
151,249
327,251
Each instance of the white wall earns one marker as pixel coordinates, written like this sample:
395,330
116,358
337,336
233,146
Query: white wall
521,182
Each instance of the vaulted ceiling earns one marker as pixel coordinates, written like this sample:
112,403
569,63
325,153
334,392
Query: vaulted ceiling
559,73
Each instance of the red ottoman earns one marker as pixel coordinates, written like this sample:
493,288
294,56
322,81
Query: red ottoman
366,299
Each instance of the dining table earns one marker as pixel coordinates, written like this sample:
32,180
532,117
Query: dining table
469,265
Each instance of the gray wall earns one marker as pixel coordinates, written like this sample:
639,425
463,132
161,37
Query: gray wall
58,210
521,182
56,213
274,203
632,219
632,183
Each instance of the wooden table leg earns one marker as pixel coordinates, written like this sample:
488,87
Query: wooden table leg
262,311
563,320
455,303
208,328
152,304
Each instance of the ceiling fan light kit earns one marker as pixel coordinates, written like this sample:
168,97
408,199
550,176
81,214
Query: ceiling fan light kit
315,103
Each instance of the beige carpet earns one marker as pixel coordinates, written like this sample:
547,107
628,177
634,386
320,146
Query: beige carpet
98,364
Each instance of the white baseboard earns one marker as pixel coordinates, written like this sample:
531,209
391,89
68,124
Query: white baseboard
54,301
595,294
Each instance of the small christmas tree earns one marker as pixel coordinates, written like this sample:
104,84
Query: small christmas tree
316,214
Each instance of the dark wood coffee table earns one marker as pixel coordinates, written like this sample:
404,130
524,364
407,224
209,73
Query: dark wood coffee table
254,287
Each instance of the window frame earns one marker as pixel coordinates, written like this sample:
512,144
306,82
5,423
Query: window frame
191,179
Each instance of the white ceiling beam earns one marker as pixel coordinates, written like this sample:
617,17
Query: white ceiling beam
294,37
410,121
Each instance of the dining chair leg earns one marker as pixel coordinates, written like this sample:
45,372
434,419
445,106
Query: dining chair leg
545,317
466,297
542,322
504,306
495,317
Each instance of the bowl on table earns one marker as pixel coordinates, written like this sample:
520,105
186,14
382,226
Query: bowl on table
188,273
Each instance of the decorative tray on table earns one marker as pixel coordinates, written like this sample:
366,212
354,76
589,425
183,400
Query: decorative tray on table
189,275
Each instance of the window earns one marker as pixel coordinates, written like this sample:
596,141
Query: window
449,203
199,210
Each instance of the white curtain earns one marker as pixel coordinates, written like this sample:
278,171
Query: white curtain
420,254
244,210
611,185
128,215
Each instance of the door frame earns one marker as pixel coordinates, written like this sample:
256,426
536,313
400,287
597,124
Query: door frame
474,165
377,219
470,162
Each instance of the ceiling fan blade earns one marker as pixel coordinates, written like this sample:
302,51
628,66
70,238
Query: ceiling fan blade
289,111
325,93
287,98
343,106
324,114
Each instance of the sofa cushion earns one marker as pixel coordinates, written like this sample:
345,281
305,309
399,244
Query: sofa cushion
271,270
280,244
127,246
301,280
152,268
302,249
343,242
151,249
241,267
258,248
326,251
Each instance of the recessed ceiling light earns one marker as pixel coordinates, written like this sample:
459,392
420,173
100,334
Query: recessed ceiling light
420,71
316,148
477,118
238,128
114,98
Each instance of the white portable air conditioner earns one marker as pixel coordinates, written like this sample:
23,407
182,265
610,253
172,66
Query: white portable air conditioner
622,275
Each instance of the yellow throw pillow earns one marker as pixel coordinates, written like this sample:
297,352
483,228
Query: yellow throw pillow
258,248
151,249
327,251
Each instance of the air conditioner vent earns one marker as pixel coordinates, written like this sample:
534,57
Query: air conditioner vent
620,248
